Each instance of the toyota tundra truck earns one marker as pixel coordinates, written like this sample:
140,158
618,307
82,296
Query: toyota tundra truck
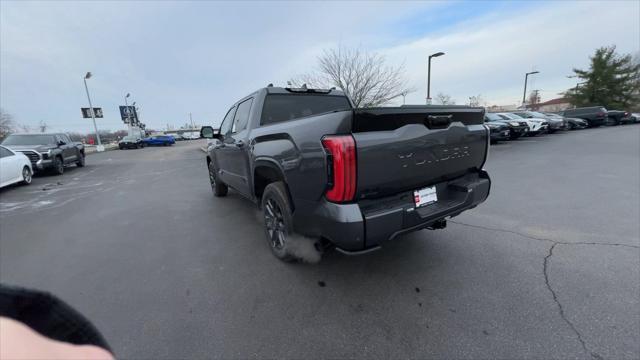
352,178
47,151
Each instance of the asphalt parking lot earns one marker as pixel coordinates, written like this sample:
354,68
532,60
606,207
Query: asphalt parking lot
548,267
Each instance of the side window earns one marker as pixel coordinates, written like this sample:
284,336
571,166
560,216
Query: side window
227,123
241,119
66,138
5,153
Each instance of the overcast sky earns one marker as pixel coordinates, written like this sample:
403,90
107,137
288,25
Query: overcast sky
200,57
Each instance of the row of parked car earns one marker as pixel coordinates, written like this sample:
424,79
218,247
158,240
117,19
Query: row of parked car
512,125
23,154
136,142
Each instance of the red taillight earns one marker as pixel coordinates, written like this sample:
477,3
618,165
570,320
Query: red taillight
342,167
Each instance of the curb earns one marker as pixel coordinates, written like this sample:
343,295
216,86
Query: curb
92,150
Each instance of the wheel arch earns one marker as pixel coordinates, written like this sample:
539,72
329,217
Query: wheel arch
265,172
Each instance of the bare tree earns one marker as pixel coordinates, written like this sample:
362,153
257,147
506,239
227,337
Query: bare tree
534,99
364,77
7,125
444,99
23,128
476,100
43,126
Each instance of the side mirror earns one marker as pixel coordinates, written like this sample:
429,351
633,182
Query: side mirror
208,132
60,143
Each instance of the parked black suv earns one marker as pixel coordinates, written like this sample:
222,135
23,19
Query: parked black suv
594,115
47,151
617,117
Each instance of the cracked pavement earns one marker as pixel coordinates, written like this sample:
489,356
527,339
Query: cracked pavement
547,268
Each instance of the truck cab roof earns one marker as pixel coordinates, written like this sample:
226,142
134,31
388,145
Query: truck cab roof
302,90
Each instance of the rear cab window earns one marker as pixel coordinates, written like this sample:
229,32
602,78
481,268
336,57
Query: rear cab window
285,107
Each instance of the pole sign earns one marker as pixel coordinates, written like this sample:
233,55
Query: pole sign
86,112
129,115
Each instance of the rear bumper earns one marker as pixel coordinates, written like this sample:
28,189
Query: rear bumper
355,228
129,145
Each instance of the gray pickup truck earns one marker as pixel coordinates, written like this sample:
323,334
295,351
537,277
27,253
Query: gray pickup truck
47,151
351,178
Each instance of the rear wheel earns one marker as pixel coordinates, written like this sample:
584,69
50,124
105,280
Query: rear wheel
278,222
219,188
26,175
58,165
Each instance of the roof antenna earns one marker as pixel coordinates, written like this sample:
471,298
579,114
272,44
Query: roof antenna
288,83
304,86
270,85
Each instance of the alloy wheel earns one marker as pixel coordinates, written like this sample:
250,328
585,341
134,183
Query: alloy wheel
26,175
274,222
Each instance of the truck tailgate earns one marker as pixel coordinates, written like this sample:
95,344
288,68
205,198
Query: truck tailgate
407,148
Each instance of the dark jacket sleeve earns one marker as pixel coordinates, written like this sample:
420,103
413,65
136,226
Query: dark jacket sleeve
49,316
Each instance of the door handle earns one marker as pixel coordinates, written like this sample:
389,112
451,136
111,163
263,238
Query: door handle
239,143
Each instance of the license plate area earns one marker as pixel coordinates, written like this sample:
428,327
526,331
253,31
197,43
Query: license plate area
425,196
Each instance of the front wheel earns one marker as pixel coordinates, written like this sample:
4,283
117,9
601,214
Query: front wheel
58,165
26,175
278,222
80,162
219,188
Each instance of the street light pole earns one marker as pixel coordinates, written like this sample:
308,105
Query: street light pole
429,76
126,103
93,116
526,76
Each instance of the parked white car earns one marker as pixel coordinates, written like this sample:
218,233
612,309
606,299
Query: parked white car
14,167
536,126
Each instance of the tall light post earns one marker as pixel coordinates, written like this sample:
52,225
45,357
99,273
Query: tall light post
93,116
429,76
526,76
126,103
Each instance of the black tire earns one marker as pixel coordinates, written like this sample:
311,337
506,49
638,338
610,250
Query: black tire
27,175
278,222
58,165
80,162
219,188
